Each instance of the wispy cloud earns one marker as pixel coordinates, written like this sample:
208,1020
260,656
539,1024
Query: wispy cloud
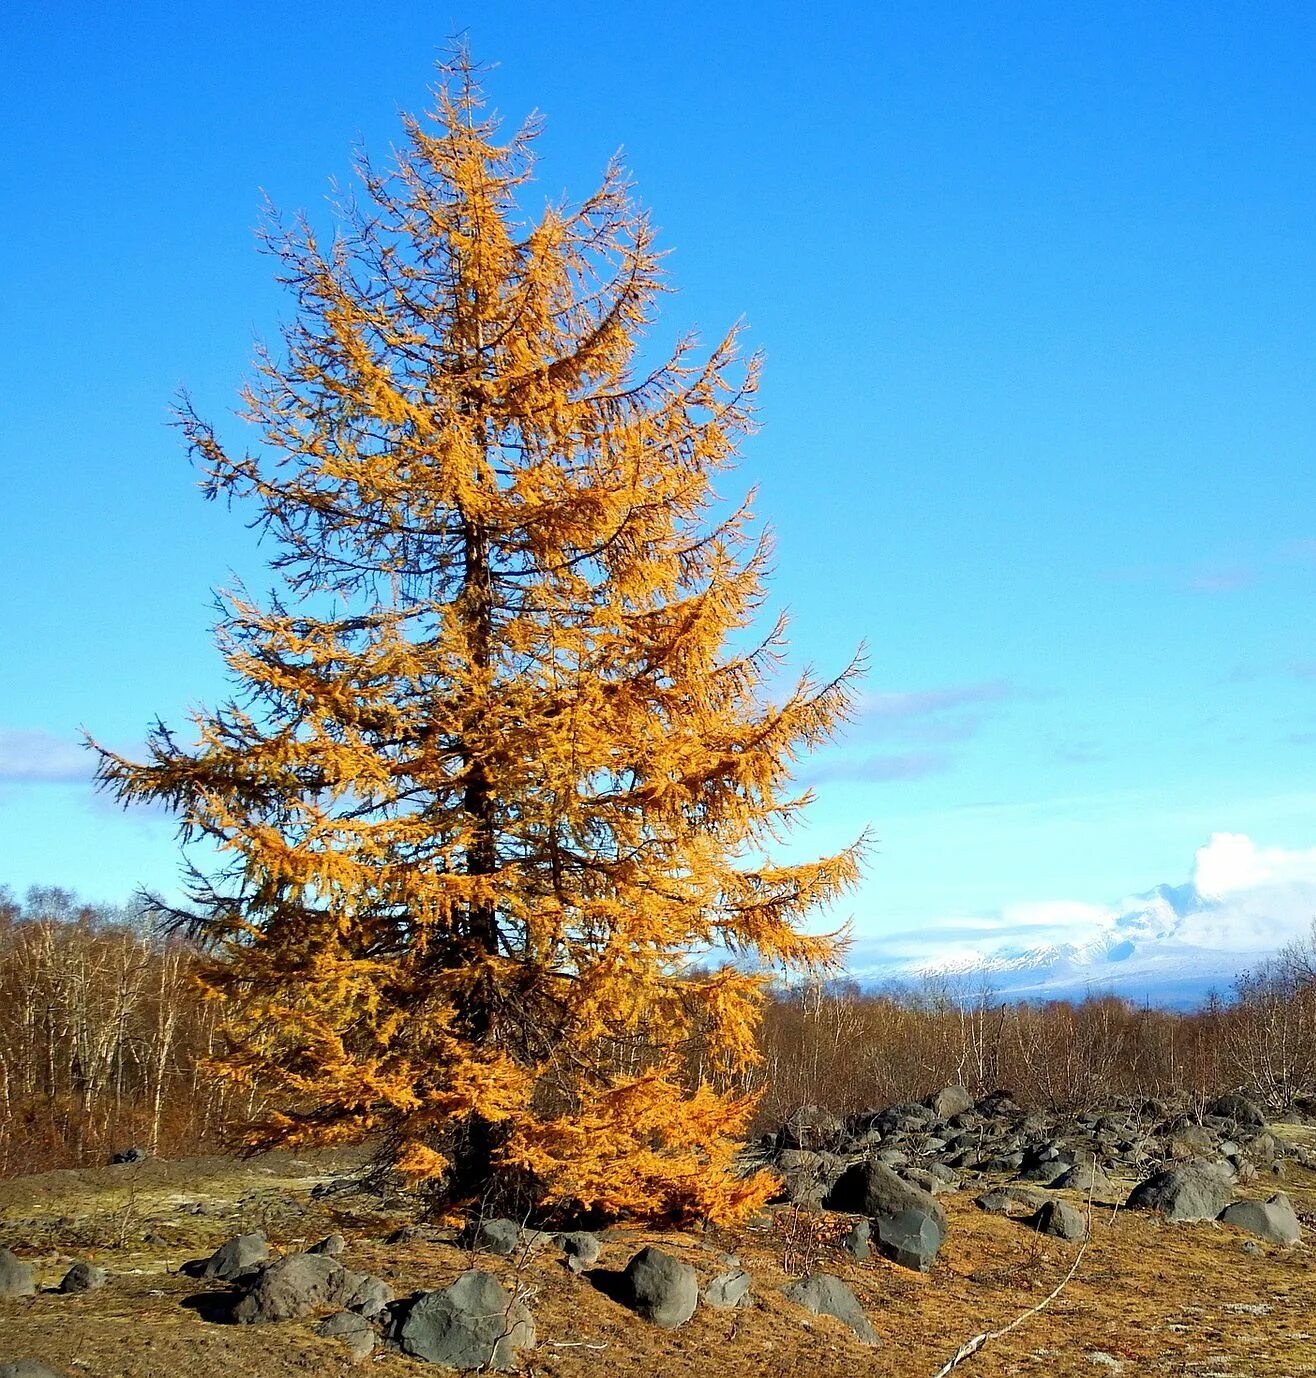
29,756
1220,579
876,767
1212,577
1302,551
921,703
926,721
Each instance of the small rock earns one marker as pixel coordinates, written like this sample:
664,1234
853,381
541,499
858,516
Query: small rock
1275,1221
331,1244
728,1290
1084,1177
826,1295
661,1288
342,1323
360,1345
293,1287
17,1279
498,1236
994,1202
242,1254
1061,1220
909,1238
951,1100
353,1330
370,1296
128,1155
580,1248
857,1242
84,1277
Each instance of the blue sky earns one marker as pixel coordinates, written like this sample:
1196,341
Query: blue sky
1036,289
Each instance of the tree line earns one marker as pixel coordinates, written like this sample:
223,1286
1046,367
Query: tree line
835,1045
106,1036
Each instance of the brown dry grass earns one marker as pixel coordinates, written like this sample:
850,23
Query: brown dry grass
1150,1297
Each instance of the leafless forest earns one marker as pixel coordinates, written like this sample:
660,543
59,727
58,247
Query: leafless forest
104,1038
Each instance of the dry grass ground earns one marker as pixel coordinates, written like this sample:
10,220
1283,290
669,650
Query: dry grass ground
1149,1298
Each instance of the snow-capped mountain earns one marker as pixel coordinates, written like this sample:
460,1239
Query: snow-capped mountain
1148,949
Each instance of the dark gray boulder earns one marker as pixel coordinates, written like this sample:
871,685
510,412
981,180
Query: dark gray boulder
857,1241
128,1155
293,1287
1190,1191
950,1100
242,1254
728,1290
1241,1109
17,1279
909,1238
406,1234
1043,1163
660,1288
83,1277
499,1237
812,1128
994,1202
826,1295
580,1249
1084,1177
473,1324
354,1331
871,1188
1060,1220
1191,1140
369,1296
1275,1220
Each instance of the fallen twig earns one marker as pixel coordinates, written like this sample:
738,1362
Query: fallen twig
971,1347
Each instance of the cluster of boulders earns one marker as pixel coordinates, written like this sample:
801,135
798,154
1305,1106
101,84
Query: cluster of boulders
880,1172
478,1322
888,1166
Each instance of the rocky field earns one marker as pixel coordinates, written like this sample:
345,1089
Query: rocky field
900,1235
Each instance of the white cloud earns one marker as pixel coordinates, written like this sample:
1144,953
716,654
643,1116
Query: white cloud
1231,863
1066,915
1244,898
28,757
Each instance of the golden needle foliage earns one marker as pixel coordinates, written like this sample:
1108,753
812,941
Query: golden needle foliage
492,772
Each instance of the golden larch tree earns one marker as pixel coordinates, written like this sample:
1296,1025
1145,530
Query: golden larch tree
502,760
